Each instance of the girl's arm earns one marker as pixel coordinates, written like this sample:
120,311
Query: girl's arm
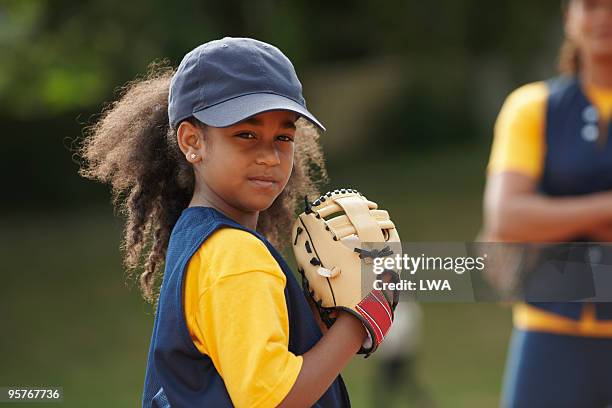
515,211
324,362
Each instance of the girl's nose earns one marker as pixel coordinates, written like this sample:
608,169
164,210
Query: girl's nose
268,155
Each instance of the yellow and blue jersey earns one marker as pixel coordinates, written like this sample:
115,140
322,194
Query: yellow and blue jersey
217,281
231,322
557,132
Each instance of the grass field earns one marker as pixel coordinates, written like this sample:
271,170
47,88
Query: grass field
69,320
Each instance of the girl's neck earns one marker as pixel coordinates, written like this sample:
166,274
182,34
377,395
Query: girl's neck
597,73
205,197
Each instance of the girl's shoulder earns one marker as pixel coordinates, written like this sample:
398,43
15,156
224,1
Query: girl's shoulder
231,251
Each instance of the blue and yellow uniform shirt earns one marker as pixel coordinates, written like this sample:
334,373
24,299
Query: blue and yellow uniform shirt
217,280
549,131
231,322
519,143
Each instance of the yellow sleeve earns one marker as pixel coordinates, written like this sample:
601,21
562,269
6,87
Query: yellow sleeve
237,315
519,141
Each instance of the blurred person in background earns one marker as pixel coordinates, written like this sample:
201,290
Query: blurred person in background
550,180
395,379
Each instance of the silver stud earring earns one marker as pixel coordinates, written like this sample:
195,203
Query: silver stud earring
193,156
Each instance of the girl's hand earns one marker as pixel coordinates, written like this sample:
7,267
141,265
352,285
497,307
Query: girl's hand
317,316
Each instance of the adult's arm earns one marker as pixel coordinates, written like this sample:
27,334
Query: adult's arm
514,211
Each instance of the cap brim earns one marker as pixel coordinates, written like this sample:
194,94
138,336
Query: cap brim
242,107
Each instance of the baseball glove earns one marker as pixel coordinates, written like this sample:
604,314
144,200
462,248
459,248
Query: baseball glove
336,241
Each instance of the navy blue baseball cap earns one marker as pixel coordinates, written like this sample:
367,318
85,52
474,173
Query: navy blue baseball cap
223,82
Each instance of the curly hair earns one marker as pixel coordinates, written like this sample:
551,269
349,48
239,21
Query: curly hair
132,148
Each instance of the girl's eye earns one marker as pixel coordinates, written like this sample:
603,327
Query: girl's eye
246,135
285,138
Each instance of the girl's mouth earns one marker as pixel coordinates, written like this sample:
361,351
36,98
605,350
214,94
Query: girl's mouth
265,182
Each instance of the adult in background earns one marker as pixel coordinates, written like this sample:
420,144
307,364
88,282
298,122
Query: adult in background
550,180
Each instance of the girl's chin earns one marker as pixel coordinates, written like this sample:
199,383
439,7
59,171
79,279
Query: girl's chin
261,203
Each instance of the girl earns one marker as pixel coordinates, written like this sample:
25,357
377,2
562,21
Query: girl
207,163
549,179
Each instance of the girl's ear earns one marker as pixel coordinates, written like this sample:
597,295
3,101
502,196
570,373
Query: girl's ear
189,139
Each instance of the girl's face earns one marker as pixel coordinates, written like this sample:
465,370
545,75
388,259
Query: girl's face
589,25
247,165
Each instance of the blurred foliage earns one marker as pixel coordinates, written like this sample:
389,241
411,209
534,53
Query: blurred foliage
64,55
415,121
63,60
